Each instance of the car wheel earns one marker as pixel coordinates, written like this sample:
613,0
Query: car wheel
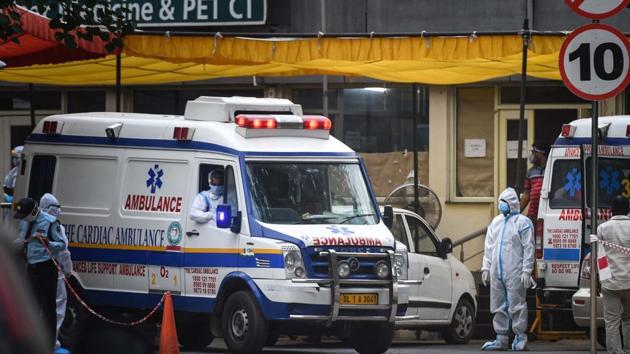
461,328
245,328
371,338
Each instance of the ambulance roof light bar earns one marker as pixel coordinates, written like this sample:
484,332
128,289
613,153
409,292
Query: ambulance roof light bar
256,121
52,127
317,122
568,130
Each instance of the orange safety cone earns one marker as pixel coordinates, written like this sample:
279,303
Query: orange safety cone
168,334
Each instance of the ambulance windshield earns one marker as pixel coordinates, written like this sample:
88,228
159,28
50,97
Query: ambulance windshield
310,193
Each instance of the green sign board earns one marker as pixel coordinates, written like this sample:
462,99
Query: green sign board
167,13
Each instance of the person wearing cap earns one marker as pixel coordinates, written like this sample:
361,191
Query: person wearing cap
8,185
49,204
38,233
204,206
534,179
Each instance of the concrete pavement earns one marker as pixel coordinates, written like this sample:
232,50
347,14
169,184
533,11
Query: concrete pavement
285,345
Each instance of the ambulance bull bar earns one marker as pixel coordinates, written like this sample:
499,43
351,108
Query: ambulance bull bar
335,284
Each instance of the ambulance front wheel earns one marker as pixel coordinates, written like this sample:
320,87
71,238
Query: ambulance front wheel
371,338
245,328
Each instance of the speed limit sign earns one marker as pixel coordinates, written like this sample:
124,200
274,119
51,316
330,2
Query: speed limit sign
594,61
597,9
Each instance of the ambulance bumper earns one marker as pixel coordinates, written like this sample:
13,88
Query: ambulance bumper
392,295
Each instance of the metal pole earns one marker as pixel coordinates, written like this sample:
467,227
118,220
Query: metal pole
118,85
414,139
594,187
518,184
325,77
31,92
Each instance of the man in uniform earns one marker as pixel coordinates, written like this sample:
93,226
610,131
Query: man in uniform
40,234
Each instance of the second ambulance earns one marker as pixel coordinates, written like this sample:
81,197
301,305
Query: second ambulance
297,246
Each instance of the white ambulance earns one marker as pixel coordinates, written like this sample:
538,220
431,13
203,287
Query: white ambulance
561,227
299,245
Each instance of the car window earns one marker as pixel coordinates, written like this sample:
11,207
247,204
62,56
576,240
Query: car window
420,236
398,230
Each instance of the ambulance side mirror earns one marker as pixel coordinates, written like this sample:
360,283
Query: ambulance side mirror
225,219
388,216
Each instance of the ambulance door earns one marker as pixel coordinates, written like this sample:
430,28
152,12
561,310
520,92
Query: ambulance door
211,252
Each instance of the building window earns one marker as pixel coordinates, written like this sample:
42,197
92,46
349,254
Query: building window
475,142
171,101
539,95
86,101
21,100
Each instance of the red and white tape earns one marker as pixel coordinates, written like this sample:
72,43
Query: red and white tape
624,250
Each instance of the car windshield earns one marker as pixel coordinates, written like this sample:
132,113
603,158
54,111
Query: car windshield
310,193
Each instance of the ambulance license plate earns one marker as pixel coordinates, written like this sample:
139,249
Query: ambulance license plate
358,299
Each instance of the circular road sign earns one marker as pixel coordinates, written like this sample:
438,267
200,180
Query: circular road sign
595,61
597,9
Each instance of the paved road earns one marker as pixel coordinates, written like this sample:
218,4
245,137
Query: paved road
287,346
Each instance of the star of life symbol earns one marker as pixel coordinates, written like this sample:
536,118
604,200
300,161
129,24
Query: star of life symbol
155,178
609,180
574,182
340,230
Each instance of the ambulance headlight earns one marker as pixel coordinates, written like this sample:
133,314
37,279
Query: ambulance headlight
293,264
381,269
343,269
401,265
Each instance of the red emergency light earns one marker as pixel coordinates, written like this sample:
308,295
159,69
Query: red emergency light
568,130
540,229
256,121
183,133
628,131
316,122
52,127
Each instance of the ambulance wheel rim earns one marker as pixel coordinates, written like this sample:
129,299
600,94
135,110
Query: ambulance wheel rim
463,321
239,323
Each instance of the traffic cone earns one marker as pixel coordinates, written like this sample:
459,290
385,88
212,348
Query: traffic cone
168,334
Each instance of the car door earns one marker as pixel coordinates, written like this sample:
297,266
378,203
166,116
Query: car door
434,294
401,234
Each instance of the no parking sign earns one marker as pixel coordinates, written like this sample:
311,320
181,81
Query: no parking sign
595,61
597,9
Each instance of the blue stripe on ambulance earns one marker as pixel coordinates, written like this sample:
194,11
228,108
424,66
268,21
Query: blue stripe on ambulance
174,259
561,254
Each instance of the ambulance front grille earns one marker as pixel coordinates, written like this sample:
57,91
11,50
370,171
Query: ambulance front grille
318,265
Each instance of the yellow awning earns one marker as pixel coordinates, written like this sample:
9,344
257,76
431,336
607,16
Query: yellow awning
150,59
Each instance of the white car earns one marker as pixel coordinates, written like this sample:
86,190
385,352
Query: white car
446,298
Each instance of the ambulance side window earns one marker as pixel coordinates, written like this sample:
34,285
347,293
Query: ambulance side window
42,176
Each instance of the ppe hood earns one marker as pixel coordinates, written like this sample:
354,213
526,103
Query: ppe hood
509,195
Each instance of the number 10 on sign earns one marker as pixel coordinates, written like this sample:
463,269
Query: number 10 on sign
595,62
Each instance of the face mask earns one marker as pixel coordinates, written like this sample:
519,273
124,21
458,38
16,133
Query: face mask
54,211
217,190
504,208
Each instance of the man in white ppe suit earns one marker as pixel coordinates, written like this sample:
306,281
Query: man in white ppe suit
204,206
508,262
50,205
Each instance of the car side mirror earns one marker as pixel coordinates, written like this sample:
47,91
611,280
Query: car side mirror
388,216
446,247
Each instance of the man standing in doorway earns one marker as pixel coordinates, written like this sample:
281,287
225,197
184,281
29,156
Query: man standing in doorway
534,179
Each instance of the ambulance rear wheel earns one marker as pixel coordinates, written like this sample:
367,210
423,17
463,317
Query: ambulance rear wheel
245,328
371,338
